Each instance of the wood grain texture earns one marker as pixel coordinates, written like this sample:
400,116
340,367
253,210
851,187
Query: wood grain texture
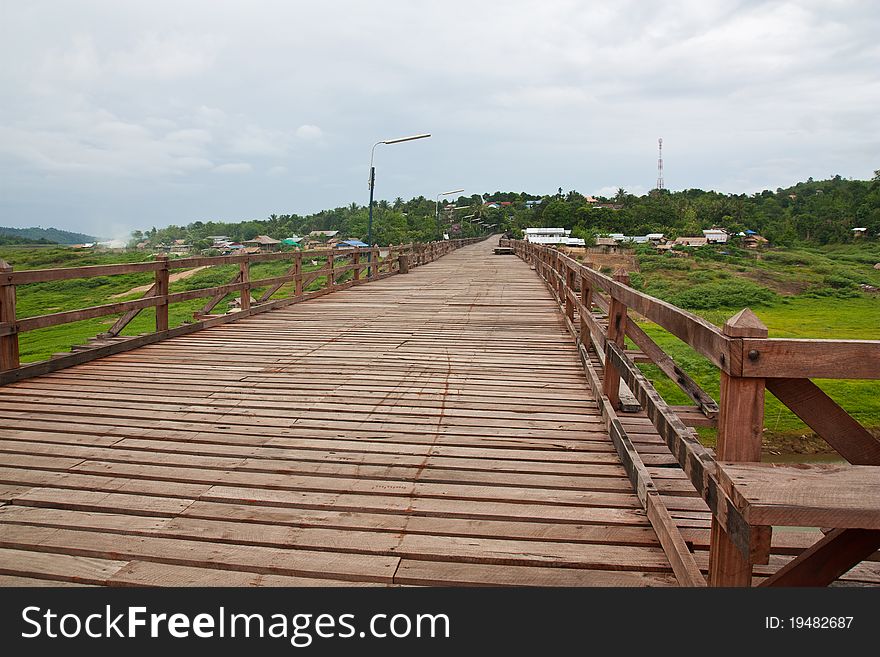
433,428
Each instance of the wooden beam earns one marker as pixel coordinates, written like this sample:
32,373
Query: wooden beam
126,318
697,462
822,414
297,270
67,316
828,559
814,359
244,272
668,366
674,546
740,428
218,297
66,273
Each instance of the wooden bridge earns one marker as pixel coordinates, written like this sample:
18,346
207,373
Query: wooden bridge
445,417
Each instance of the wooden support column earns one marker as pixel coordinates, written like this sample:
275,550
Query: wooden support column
245,271
403,263
569,287
740,428
162,291
616,334
298,272
356,261
374,262
331,275
587,300
8,343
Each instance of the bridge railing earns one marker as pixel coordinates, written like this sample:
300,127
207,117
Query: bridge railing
730,481
310,274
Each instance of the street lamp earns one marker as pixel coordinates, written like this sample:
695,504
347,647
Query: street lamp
437,208
373,177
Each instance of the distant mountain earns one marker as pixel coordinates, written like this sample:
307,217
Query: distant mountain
36,234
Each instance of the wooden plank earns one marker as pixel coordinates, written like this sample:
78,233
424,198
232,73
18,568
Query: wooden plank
248,558
801,495
146,573
822,414
815,359
427,573
58,567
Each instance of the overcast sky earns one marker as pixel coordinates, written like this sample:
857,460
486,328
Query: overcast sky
121,115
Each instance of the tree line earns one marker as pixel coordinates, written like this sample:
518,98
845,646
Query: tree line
822,212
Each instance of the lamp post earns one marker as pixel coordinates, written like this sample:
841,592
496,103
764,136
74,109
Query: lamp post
373,177
437,209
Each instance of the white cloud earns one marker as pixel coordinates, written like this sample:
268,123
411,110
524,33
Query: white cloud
166,56
233,167
254,140
309,132
277,171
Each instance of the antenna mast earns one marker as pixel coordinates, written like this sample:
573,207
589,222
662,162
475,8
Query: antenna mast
660,163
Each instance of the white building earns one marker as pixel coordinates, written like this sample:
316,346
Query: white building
715,236
552,236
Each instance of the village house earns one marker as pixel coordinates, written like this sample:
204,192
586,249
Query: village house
262,242
690,241
323,237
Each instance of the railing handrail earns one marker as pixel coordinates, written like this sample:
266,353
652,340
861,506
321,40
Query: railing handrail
741,356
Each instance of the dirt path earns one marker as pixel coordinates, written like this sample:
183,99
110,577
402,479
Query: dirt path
179,276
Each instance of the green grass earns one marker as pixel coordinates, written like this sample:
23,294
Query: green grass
808,293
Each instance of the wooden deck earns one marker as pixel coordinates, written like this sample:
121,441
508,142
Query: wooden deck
429,428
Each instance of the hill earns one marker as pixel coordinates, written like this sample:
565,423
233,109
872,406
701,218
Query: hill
38,235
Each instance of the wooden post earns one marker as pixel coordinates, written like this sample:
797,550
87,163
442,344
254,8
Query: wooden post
245,270
298,272
403,263
374,262
569,287
162,292
587,301
356,261
8,343
740,427
616,334
331,275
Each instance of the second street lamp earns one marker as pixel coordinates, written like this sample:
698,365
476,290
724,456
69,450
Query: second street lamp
437,209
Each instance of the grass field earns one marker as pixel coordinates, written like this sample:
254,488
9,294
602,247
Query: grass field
797,293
